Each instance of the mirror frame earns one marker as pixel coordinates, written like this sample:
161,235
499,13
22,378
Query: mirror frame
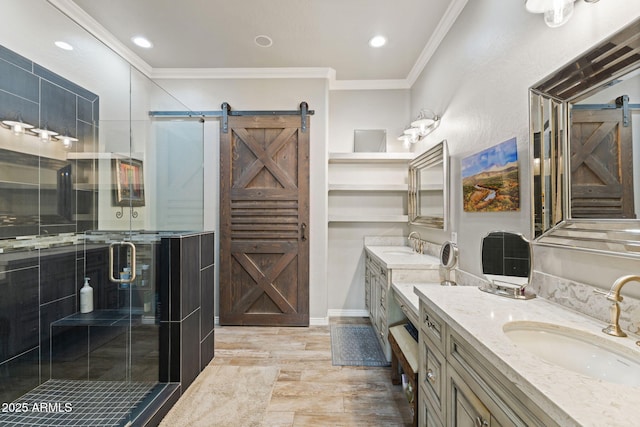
595,69
436,155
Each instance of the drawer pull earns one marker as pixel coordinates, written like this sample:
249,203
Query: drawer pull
431,376
480,422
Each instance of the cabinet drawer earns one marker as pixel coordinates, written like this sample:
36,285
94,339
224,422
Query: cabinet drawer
433,327
432,377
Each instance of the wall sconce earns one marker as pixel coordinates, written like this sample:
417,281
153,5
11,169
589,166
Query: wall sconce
44,134
426,122
556,12
17,126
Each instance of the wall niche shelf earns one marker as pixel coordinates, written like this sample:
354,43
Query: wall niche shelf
371,219
368,187
371,157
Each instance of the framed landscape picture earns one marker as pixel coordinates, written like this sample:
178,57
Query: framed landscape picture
129,189
490,179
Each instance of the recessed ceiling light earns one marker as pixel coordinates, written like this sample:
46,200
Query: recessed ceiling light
263,41
377,41
142,42
63,45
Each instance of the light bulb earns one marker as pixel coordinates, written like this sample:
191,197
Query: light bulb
559,13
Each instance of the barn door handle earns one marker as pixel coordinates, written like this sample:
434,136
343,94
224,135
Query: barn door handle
303,229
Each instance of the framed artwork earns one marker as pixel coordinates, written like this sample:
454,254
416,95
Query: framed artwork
129,189
490,179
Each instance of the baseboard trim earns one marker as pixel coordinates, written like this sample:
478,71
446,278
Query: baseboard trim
347,313
318,321
322,321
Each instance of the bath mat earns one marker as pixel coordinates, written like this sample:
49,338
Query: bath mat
356,345
225,396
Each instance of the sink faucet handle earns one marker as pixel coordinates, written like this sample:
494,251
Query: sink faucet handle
609,295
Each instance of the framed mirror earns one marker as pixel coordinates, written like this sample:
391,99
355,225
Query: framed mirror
429,188
506,264
585,150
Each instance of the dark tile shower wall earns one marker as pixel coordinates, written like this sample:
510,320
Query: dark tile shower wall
39,287
186,326
33,94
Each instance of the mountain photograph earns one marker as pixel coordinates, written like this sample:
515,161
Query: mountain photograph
490,179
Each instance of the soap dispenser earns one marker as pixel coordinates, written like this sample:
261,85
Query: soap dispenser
86,297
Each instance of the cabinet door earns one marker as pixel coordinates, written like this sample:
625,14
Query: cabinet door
367,284
466,409
427,416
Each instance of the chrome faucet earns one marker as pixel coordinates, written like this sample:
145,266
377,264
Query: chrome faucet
614,296
415,242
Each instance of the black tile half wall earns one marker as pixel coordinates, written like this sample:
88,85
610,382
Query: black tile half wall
187,304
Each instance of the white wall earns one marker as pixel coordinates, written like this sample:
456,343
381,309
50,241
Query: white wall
350,110
478,81
275,94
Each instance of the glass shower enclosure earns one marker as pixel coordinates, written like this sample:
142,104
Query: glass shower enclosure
89,185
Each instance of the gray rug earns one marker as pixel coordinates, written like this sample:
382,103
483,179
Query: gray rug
356,345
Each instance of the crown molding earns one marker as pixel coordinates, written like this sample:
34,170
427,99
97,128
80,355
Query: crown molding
243,73
93,27
80,17
386,84
447,21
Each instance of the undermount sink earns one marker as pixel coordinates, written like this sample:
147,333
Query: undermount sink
577,351
401,251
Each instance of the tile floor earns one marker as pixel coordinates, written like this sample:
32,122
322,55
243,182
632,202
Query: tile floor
309,390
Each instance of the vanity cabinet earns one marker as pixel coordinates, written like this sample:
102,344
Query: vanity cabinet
377,286
459,387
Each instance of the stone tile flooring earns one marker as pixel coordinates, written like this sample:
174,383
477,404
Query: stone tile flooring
310,391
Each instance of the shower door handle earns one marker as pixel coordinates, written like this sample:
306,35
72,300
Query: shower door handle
132,276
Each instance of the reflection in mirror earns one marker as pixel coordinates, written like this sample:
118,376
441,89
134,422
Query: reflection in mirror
428,188
506,264
585,150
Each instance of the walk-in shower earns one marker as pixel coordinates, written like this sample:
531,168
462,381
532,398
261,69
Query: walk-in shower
93,199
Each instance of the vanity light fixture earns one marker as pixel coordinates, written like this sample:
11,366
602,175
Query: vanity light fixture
44,134
409,136
556,12
422,126
426,122
17,126
67,141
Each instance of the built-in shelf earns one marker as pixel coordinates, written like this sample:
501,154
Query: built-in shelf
102,156
368,218
370,157
368,187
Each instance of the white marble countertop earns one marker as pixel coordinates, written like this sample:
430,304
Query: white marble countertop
412,300
568,397
401,257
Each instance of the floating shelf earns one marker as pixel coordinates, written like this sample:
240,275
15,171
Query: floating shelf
372,218
103,156
370,157
368,187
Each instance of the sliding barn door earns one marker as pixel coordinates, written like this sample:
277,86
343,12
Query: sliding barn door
601,165
264,203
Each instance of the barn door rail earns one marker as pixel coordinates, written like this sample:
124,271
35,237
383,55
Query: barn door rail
226,111
620,102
